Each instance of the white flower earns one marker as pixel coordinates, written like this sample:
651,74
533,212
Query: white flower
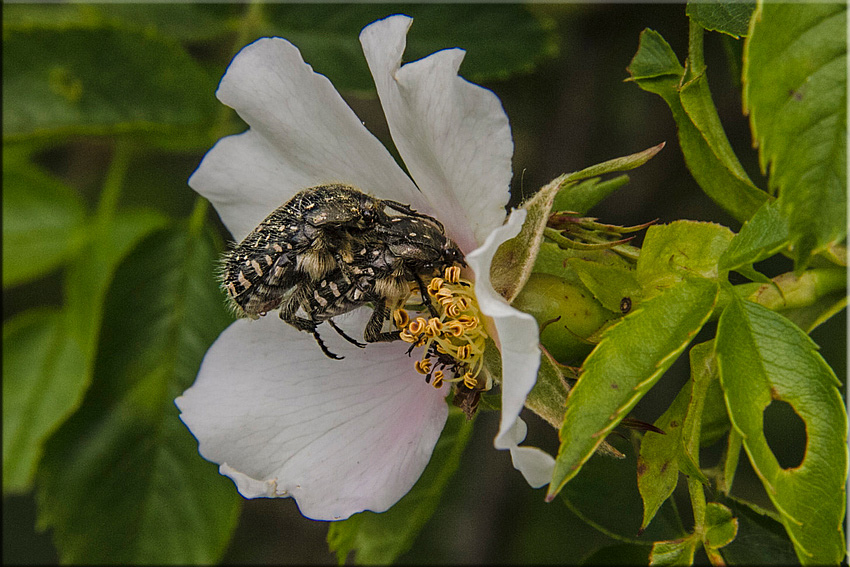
280,417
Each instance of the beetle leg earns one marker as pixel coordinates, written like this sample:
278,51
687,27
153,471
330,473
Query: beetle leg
373,333
344,335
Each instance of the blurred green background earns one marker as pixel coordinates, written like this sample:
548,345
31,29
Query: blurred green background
569,108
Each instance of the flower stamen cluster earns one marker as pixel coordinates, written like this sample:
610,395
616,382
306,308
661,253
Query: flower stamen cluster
454,340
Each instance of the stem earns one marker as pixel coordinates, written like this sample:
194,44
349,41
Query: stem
789,291
599,527
113,183
696,61
198,216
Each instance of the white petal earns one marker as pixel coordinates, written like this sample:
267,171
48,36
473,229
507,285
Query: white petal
453,135
535,464
518,332
339,436
302,134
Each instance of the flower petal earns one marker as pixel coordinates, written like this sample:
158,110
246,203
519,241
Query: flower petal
453,135
302,134
284,420
535,464
518,336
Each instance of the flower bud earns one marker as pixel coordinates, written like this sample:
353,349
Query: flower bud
567,313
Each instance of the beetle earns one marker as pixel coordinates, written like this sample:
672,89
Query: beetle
331,249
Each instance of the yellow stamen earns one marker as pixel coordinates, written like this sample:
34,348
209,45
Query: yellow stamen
455,328
453,274
417,326
434,327
437,379
401,318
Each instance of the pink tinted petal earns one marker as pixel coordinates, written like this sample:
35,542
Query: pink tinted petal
453,135
282,419
302,134
518,333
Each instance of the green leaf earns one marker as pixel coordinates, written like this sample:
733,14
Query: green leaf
122,481
721,527
501,40
89,275
731,18
715,420
674,552
663,456
76,81
795,90
49,388
631,357
764,357
658,468
379,539
730,459
707,152
43,369
678,250
654,58
761,237
42,220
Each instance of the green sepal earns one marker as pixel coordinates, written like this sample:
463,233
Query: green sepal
548,397
581,196
515,259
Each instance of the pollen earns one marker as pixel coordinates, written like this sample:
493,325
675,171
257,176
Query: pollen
453,340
